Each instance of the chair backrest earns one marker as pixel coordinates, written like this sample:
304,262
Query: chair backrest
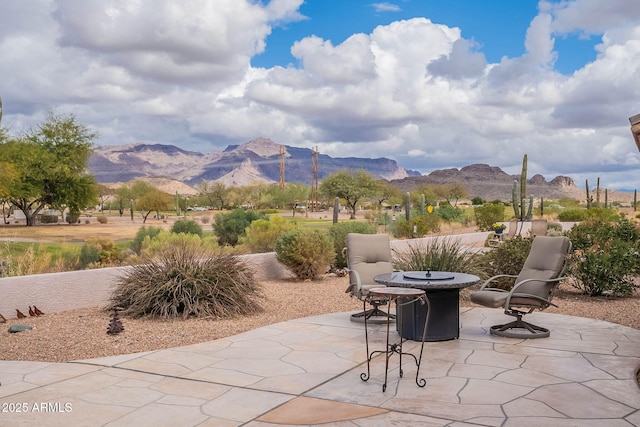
369,255
539,227
546,260
511,229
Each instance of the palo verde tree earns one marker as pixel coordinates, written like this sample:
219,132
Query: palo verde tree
352,186
50,162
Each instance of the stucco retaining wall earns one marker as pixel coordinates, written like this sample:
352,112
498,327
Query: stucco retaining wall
55,292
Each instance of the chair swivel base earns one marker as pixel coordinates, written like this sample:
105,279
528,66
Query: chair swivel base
373,315
519,329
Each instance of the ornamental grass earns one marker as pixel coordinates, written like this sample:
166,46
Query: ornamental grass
187,279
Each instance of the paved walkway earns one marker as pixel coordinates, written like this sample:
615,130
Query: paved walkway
307,372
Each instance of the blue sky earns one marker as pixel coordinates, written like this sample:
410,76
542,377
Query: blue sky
432,84
497,26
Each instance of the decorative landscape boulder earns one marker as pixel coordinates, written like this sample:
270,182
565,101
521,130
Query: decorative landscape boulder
19,328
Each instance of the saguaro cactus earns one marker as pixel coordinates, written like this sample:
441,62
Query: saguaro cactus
589,197
520,209
0,109
407,206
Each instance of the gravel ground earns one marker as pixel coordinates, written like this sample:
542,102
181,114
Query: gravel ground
81,334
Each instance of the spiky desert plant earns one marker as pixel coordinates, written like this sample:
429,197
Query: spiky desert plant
188,279
439,254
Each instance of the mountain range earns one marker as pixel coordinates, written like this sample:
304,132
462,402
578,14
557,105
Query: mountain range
259,161
237,165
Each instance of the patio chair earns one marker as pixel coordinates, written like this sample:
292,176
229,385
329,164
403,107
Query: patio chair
533,288
367,256
538,227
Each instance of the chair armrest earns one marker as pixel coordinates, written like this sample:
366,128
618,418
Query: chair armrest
354,287
490,279
519,284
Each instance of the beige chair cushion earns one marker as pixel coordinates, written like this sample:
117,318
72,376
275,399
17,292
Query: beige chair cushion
369,255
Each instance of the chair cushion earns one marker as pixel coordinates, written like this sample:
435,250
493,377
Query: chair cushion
493,299
369,255
545,261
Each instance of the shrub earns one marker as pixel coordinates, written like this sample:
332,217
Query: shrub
152,247
186,226
508,258
572,215
554,229
185,280
487,215
423,225
73,216
102,219
306,252
48,219
602,214
143,232
450,213
205,219
99,253
261,235
338,233
439,254
230,227
605,257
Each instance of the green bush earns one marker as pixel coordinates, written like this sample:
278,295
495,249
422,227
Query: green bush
602,214
438,254
187,279
48,219
99,253
572,215
487,215
102,219
605,257
140,236
153,246
450,213
423,225
73,217
508,258
306,252
230,227
186,226
338,233
263,233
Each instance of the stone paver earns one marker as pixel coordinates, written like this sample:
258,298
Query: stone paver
307,372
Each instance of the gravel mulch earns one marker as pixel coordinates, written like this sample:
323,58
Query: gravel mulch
81,334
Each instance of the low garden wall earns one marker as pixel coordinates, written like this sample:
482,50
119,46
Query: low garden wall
56,292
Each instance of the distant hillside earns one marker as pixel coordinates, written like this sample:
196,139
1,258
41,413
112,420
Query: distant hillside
257,160
170,168
492,183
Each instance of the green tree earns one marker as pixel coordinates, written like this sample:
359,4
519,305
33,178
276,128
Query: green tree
385,192
215,192
153,200
230,227
50,162
352,186
289,196
451,192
